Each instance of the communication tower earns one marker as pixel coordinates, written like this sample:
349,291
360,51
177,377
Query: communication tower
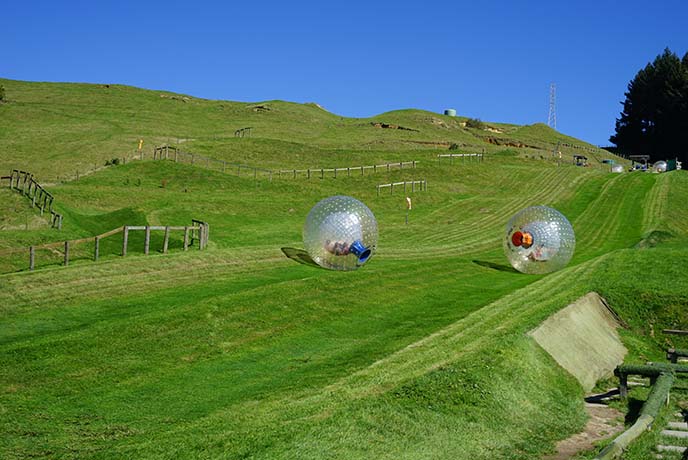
552,117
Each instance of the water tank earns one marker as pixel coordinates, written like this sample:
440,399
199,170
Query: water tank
450,112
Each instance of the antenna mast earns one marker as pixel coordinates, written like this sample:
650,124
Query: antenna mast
552,117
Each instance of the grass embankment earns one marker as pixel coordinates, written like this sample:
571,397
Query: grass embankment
240,352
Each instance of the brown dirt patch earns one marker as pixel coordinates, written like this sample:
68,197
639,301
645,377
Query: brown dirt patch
604,422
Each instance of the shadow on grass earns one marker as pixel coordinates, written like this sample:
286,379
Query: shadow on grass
494,266
634,406
602,397
300,256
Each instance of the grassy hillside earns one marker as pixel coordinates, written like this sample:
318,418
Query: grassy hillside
242,352
59,129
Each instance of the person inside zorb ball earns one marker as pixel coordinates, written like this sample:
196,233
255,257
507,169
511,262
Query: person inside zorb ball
539,240
340,233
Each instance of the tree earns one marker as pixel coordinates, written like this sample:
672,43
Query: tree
654,119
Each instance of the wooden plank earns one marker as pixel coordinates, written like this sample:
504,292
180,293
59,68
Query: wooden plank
32,257
674,332
166,241
111,232
96,250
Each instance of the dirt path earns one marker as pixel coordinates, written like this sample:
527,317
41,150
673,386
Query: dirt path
604,422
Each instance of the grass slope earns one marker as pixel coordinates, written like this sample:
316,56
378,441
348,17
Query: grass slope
241,352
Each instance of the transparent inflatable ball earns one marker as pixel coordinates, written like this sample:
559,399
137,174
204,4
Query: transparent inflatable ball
340,233
538,240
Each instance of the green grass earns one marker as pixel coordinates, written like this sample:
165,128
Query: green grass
240,351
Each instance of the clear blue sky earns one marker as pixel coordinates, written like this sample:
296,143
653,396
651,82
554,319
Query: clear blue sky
489,60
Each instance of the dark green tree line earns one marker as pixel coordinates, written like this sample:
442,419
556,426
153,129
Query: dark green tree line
654,120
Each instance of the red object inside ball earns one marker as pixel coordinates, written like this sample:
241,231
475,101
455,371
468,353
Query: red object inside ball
517,239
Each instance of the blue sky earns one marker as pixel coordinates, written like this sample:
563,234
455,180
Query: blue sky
489,60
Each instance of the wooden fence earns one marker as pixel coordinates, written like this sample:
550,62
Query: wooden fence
172,153
169,152
320,172
243,132
25,184
198,232
464,156
422,186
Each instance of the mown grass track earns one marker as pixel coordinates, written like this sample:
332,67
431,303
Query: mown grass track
241,352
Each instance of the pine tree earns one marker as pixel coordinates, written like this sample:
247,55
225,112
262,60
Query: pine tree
655,112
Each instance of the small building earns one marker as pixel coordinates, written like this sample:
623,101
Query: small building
580,160
450,112
640,161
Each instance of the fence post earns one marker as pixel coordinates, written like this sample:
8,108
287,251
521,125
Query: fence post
322,173
59,223
125,240
362,173
186,238
309,173
166,242
378,190
175,155
335,173
348,172
224,165
96,250
32,257
66,253
146,243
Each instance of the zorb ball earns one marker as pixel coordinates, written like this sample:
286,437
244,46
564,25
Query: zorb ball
340,233
539,240
618,169
659,167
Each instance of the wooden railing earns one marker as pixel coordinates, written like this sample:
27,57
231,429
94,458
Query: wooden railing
198,233
25,184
